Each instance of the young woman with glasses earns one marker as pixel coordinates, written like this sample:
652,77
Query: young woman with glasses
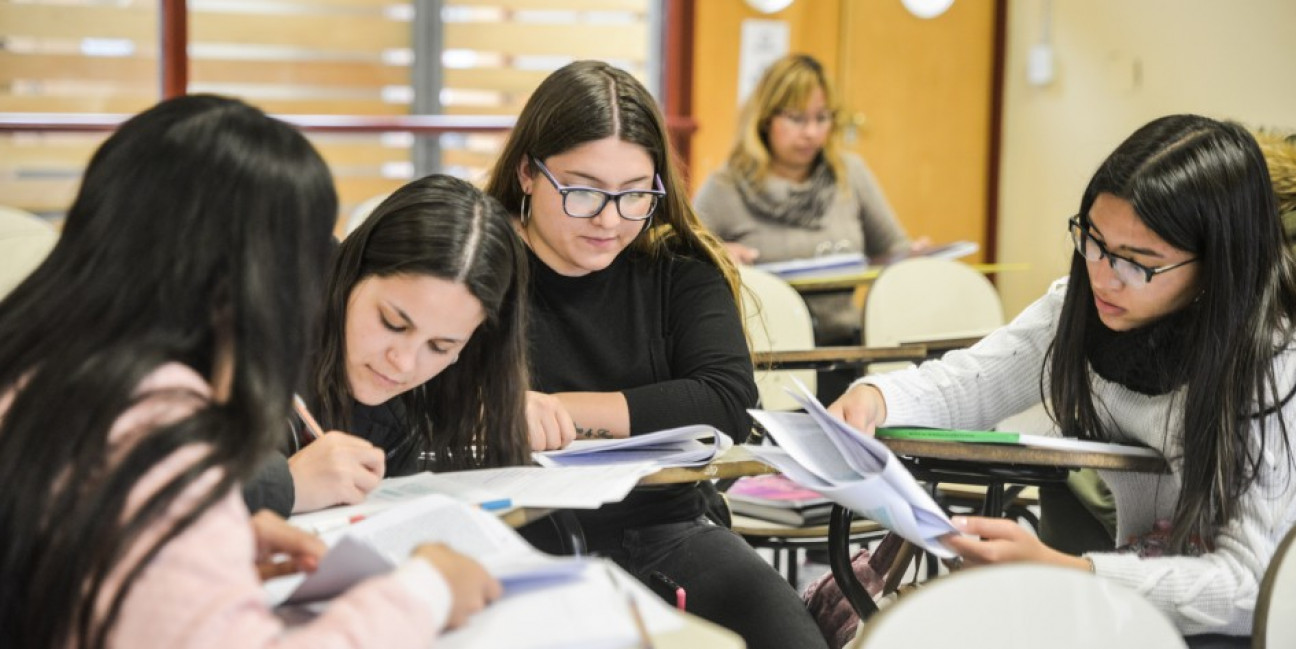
790,191
1173,331
635,327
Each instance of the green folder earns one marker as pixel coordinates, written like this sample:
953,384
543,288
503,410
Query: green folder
949,435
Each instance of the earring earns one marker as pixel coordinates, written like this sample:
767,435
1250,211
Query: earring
524,214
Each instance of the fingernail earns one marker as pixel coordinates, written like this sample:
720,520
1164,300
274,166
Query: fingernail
960,522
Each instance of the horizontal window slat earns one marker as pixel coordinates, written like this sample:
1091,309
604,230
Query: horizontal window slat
628,42
633,6
324,32
76,22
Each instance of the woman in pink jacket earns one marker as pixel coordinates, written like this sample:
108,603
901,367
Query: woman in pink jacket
145,367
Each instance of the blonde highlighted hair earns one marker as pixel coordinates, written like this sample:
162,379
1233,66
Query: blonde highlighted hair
786,85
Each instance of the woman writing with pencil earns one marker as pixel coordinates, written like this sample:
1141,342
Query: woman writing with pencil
422,355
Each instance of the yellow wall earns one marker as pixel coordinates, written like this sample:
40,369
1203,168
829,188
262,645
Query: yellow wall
1119,64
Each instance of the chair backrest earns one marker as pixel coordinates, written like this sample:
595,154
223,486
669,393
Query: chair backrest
1020,605
926,298
25,240
777,320
1275,613
362,212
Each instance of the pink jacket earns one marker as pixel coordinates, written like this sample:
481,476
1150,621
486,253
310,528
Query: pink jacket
202,589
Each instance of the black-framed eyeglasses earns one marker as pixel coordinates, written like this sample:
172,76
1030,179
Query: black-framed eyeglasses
586,202
1130,272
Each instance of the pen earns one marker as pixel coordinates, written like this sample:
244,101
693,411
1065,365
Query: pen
645,640
313,429
496,505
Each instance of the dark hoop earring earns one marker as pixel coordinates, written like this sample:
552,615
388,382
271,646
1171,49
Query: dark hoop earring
524,214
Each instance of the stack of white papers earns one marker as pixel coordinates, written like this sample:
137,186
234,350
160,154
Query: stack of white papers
585,487
823,453
682,446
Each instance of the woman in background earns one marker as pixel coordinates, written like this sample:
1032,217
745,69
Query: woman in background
146,367
636,328
789,191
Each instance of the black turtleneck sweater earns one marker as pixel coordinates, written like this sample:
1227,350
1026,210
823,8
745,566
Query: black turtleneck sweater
664,332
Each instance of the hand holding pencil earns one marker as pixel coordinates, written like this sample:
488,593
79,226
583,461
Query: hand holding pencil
335,469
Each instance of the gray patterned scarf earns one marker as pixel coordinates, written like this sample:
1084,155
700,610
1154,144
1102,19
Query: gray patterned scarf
805,204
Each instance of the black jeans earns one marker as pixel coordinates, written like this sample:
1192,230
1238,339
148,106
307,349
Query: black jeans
725,580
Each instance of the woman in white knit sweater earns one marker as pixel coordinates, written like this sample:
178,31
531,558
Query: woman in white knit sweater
1175,331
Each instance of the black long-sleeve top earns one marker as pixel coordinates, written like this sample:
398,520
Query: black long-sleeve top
666,333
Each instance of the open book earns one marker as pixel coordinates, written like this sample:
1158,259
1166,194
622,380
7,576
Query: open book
378,543
824,453
685,446
778,499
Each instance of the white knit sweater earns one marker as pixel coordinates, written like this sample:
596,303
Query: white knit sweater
1000,376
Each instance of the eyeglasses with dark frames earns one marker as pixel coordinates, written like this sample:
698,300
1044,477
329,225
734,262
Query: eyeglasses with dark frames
582,202
1130,272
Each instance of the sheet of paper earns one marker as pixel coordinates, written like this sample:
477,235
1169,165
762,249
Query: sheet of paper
576,487
584,613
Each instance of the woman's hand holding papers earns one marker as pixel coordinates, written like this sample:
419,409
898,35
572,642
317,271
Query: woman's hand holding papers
862,406
1000,540
549,425
471,587
336,469
282,549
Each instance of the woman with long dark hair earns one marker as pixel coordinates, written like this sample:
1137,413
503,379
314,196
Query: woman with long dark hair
1174,331
146,367
423,350
636,328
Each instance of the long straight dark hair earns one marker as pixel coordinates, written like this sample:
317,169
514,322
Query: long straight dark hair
586,101
1203,187
472,414
199,227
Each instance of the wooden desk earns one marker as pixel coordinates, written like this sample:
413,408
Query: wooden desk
698,632
992,465
833,357
850,279
734,463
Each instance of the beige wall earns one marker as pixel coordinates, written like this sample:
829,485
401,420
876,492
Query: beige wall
1120,63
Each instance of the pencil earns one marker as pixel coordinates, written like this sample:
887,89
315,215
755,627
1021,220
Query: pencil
645,640
313,429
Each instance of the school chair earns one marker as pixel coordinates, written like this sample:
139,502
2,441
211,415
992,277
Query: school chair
928,299
25,240
777,320
1274,624
1019,606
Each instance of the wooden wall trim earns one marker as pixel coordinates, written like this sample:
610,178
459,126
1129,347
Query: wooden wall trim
173,36
999,59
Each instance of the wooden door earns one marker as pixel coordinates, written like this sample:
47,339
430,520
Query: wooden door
918,95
